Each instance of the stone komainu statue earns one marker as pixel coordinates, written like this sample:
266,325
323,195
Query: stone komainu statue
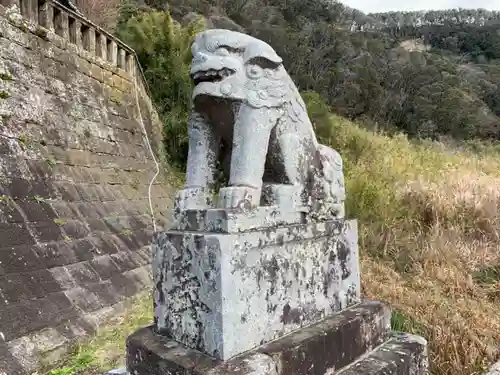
249,120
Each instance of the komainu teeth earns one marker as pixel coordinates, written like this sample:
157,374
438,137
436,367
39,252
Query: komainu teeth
223,73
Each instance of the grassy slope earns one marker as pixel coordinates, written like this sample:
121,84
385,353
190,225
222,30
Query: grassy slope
429,240
429,243
105,350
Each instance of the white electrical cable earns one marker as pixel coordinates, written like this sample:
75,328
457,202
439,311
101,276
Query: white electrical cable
136,89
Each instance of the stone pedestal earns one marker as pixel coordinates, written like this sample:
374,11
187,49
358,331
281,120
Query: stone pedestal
242,284
265,292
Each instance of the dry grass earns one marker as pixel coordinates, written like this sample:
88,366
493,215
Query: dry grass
430,240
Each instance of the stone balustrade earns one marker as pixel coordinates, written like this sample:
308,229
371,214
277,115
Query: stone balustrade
76,29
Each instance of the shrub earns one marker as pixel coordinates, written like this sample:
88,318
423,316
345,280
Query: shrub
163,49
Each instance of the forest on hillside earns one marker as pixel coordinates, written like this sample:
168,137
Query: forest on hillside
428,74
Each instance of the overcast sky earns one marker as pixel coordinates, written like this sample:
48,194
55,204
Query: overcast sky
371,6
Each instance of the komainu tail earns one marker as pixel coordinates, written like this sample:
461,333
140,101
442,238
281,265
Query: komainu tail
328,189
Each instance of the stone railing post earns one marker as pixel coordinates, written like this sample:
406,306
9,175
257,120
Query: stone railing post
130,64
72,27
122,59
61,23
29,9
101,46
46,15
75,32
113,52
88,37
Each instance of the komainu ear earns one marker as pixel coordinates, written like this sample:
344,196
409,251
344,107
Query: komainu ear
261,50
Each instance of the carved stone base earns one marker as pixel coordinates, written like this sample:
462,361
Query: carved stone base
236,221
355,341
227,293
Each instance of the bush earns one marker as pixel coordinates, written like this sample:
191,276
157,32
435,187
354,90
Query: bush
164,50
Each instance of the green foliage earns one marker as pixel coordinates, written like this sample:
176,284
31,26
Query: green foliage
488,275
80,362
319,113
403,323
163,49
367,75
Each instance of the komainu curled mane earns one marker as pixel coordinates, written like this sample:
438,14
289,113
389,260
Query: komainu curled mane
249,118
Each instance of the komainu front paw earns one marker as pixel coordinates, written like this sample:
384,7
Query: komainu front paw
193,199
243,197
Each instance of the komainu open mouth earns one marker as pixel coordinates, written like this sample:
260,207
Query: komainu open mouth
211,75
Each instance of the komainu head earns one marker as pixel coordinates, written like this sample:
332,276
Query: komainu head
235,66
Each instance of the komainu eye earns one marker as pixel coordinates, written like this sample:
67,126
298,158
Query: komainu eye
222,51
254,71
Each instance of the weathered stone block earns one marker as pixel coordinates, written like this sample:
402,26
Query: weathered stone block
21,258
83,299
226,293
36,209
75,229
83,273
126,286
54,255
47,231
105,267
83,249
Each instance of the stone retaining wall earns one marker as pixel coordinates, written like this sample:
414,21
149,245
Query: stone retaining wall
75,167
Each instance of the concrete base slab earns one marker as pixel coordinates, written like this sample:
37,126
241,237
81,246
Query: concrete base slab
336,345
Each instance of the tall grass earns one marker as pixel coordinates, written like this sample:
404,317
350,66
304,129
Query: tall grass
429,237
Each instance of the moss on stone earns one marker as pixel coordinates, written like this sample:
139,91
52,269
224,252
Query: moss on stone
4,94
126,232
116,97
59,221
5,76
51,162
41,32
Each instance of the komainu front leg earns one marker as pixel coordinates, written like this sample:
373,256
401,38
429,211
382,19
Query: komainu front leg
203,154
252,130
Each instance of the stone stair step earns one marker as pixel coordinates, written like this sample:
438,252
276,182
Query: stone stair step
334,342
402,354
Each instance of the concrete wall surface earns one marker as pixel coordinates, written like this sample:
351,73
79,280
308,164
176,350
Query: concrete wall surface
75,167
